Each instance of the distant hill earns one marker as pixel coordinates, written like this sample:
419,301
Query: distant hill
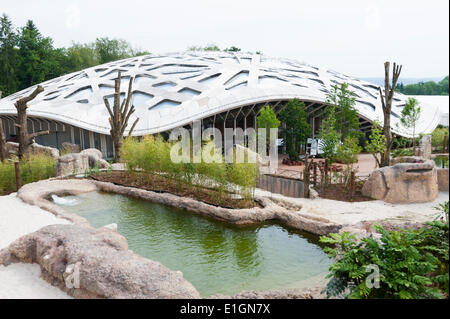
418,86
405,81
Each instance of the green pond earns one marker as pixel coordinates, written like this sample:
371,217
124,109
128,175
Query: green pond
215,257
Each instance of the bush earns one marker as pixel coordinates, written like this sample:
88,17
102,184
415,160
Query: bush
437,138
402,152
152,155
33,168
411,263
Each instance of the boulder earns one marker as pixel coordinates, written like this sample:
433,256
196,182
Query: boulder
72,164
89,263
95,156
442,176
403,183
71,148
12,148
425,147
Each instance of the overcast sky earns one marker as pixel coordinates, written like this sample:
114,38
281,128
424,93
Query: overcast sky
350,36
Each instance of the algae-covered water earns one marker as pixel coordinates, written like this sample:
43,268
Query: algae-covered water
215,257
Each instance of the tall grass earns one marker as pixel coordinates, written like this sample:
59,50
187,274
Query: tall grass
152,155
33,168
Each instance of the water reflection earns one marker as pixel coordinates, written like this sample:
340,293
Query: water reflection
216,257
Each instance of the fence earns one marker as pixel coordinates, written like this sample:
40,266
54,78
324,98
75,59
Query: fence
281,185
291,182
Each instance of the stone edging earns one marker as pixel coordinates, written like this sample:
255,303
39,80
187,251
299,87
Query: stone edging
283,212
38,194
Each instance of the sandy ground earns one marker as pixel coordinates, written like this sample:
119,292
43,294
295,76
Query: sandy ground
23,280
352,213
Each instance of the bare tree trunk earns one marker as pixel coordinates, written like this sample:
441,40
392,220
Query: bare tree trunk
119,116
26,139
3,154
386,102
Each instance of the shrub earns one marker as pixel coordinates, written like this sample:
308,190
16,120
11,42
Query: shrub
411,263
152,155
437,138
33,167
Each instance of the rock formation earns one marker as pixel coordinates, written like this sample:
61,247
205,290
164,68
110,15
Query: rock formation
406,182
79,163
95,263
12,148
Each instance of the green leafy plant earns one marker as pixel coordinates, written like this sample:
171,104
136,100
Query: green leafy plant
410,116
296,130
376,145
411,263
267,119
329,135
33,167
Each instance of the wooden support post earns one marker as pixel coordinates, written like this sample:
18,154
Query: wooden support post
18,177
314,174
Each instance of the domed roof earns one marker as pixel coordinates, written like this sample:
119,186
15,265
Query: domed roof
175,89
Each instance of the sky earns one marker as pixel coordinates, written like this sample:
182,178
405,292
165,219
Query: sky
349,36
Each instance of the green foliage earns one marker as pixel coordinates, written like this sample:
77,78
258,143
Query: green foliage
8,56
346,115
348,151
399,152
377,142
33,168
27,57
152,155
411,263
232,49
425,88
296,129
209,47
437,138
329,135
410,115
267,119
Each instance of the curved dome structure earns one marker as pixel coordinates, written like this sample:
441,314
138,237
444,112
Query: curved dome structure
176,89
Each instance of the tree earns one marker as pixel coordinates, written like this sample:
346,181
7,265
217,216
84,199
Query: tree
34,56
296,129
347,153
232,49
8,56
410,116
3,154
347,123
112,49
386,103
119,116
267,119
81,56
329,135
26,139
376,145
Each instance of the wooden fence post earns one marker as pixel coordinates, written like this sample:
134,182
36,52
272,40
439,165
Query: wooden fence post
18,177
